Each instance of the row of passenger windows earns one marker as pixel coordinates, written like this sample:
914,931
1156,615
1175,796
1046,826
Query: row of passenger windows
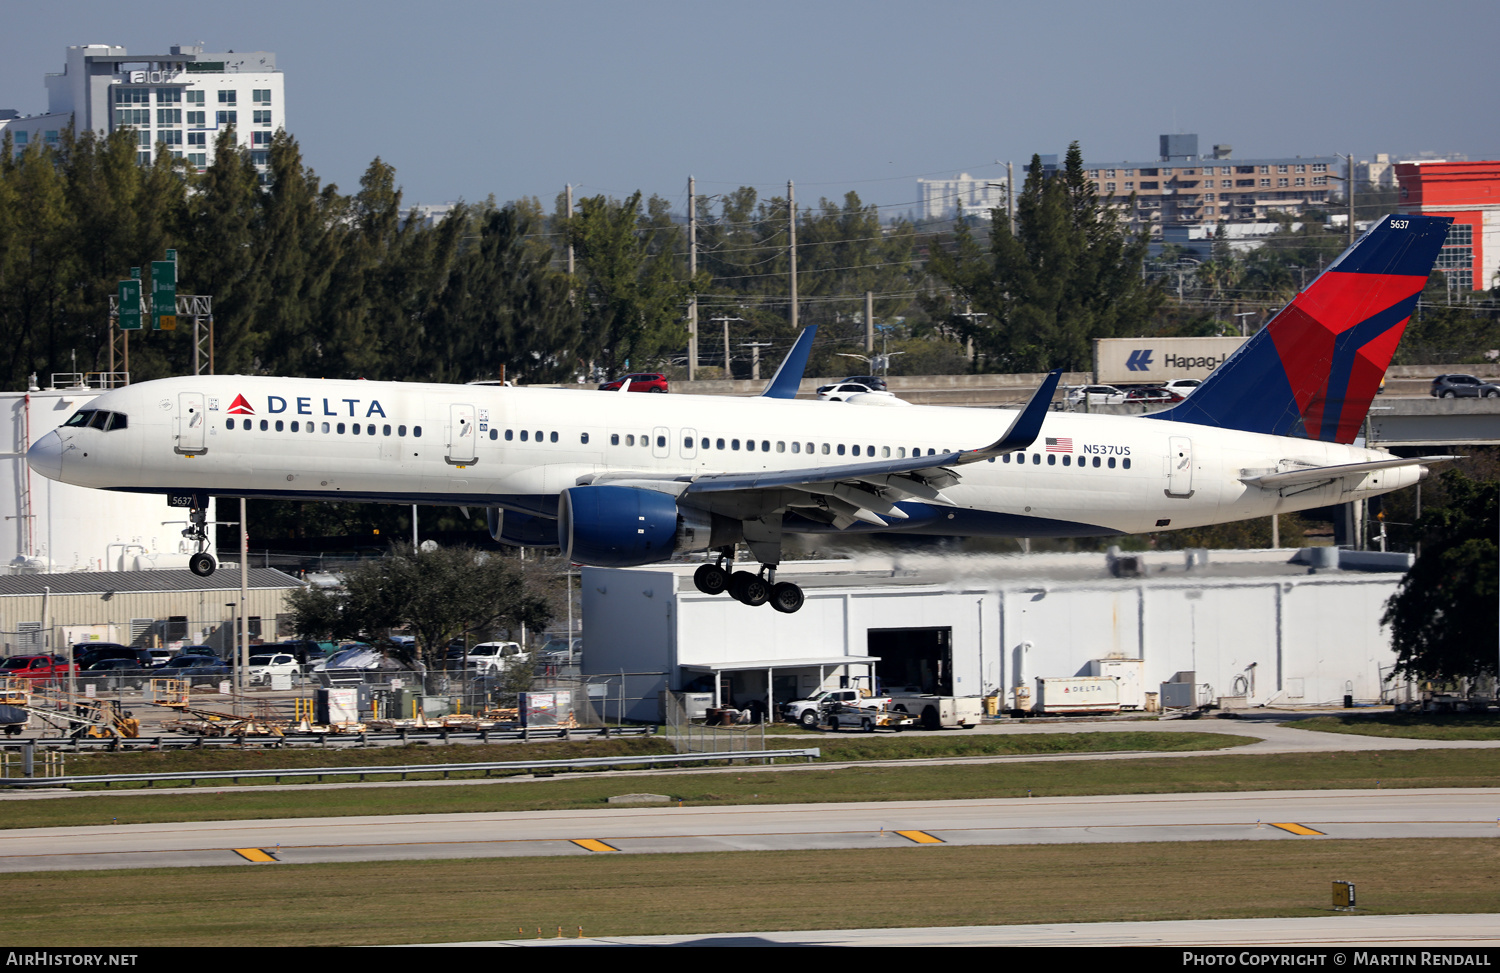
337,428
98,419
1067,460
826,449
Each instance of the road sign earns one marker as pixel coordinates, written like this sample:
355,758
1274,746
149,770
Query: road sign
130,305
164,295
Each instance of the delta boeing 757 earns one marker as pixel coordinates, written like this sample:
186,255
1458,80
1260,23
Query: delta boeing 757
620,480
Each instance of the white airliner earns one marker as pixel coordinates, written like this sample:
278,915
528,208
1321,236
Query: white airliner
623,479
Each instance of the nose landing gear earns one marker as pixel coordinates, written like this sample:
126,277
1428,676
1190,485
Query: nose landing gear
747,588
202,563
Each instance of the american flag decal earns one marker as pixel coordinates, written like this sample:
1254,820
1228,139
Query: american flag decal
1060,444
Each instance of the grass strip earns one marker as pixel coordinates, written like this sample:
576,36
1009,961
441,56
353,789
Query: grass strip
797,785
834,747
510,898
1417,726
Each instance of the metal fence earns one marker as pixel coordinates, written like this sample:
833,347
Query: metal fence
696,736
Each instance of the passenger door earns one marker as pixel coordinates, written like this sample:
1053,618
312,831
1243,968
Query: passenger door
192,424
462,436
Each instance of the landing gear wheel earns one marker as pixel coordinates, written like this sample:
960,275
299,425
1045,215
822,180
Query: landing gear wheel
202,564
786,597
749,589
711,579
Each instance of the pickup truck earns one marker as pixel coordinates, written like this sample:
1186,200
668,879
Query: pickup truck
807,711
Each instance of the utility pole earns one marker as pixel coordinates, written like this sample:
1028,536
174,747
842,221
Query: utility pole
755,348
973,316
791,206
870,322
1350,173
1010,196
726,320
692,275
569,192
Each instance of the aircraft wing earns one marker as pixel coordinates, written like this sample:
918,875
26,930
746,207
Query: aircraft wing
870,489
1275,481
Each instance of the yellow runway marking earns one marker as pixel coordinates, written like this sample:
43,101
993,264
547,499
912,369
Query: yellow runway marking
920,837
1294,828
254,855
592,844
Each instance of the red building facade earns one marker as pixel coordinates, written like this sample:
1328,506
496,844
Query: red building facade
1470,193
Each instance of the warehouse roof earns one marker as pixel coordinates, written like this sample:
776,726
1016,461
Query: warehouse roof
118,582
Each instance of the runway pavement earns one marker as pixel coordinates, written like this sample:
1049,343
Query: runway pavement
1263,816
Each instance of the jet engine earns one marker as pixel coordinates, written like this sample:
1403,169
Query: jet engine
622,526
521,530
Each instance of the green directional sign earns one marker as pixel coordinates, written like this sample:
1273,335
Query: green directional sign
130,305
164,295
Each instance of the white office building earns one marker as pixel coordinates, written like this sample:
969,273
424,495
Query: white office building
941,198
181,100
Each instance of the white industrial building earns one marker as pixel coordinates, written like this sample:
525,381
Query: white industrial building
55,527
182,99
1255,627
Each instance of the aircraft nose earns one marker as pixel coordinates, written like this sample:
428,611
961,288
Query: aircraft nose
45,456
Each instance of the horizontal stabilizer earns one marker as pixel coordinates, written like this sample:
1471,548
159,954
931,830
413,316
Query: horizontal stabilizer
1275,481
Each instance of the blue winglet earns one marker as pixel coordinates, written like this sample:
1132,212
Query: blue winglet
1028,422
788,377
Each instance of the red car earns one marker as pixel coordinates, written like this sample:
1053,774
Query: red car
639,382
34,667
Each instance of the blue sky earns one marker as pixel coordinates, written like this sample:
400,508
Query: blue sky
518,98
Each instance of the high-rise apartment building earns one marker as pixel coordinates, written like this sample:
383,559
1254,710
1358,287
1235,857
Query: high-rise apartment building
181,100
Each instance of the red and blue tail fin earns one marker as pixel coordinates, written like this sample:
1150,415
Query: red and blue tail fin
1314,369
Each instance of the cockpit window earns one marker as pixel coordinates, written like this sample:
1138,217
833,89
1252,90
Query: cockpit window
97,419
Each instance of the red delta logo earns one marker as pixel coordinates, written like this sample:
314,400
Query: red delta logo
239,407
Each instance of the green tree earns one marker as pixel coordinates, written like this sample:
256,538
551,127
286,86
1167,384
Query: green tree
505,306
1442,617
633,301
1068,275
437,594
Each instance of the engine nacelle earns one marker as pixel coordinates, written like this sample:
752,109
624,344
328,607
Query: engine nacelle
621,526
520,530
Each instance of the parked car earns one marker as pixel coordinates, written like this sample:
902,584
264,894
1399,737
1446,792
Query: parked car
307,652
1152,396
117,674
1096,395
639,382
86,654
873,382
1461,386
561,651
496,656
858,392
1183,386
35,667
263,667
193,668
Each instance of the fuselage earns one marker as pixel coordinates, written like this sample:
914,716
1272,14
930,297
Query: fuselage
479,445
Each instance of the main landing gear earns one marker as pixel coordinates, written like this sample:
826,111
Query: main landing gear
747,588
202,563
